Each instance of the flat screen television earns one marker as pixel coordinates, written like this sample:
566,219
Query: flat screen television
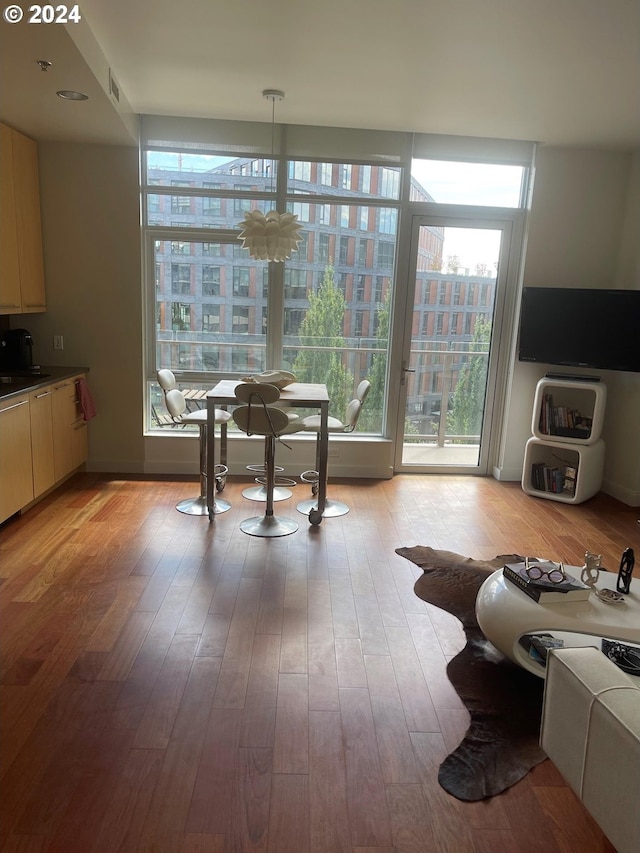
575,327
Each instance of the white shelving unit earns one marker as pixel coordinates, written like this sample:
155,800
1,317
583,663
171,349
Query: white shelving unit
567,420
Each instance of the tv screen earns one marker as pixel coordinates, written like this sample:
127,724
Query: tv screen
581,328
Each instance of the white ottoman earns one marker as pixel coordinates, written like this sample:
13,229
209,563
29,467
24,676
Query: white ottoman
591,732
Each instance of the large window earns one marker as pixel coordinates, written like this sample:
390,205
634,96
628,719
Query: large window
214,312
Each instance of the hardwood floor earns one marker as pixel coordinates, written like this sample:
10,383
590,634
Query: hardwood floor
174,686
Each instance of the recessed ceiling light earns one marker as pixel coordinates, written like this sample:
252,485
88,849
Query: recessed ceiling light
70,95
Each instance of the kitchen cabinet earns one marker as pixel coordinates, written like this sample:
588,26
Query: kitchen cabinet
69,429
41,415
22,288
10,295
16,467
43,439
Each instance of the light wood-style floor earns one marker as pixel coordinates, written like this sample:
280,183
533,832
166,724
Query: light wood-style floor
174,686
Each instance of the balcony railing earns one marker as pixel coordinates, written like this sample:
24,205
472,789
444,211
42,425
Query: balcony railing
437,368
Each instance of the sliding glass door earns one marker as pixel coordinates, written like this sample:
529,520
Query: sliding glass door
452,322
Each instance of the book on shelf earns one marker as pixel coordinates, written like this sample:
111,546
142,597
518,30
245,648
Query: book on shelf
545,591
549,478
563,421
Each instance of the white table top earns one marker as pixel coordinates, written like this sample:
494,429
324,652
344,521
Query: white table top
505,614
296,394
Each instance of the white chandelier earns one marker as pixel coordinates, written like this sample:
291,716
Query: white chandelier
272,236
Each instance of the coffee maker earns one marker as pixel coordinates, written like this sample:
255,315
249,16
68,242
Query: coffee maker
16,350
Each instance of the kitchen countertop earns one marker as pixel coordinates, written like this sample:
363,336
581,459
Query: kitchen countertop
22,381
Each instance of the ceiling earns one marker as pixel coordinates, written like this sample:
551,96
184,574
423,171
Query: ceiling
561,72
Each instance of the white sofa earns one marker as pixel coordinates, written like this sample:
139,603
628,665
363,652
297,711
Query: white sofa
591,732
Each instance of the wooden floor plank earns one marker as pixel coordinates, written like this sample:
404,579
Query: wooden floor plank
178,686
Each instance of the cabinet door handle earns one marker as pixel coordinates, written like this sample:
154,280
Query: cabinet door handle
46,394
8,305
35,305
15,406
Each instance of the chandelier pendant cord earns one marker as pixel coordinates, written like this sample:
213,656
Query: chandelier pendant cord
275,236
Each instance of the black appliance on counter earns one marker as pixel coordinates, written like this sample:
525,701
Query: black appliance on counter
16,350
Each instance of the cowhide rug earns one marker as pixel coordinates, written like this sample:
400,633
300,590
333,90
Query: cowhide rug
504,701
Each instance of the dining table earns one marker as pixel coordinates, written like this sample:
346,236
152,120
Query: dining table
305,395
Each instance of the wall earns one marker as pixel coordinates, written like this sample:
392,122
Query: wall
583,227
90,212
582,232
622,474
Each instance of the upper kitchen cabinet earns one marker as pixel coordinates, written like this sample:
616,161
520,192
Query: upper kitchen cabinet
21,264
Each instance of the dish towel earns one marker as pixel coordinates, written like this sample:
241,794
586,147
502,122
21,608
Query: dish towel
87,406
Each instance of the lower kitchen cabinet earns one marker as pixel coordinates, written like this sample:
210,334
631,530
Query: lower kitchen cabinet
64,404
43,439
16,467
40,404
69,428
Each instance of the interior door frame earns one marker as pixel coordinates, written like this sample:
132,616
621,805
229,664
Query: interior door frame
504,326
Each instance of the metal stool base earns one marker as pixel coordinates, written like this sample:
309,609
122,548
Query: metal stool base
268,526
259,493
198,506
332,509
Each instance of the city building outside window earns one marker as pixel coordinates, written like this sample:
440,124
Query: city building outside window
323,248
386,252
210,318
181,278
210,281
180,317
241,276
240,321
343,250
325,173
180,204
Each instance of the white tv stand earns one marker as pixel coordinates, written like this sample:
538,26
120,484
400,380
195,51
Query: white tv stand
567,421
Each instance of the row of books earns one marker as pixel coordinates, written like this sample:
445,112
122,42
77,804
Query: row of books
563,421
549,478
545,591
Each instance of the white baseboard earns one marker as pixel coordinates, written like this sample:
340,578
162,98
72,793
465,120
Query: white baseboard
507,475
627,496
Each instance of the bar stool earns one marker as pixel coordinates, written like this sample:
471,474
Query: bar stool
281,487
258,417
332,509
167,381
177,408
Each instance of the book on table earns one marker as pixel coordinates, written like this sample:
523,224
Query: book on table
542,589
